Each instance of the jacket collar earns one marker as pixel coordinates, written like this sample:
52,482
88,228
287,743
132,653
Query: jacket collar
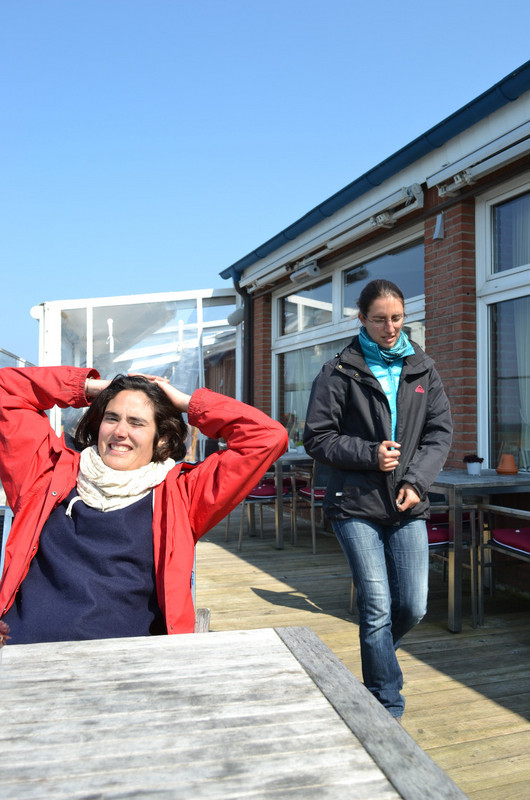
352,356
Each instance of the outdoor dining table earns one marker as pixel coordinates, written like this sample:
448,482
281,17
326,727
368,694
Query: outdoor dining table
458,486
263,713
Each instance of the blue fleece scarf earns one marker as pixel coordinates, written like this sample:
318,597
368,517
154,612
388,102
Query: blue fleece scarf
384,355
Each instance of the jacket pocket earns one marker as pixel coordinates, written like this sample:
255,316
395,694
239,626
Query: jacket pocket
360,494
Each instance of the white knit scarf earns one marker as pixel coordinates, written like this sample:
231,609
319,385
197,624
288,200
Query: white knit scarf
108,489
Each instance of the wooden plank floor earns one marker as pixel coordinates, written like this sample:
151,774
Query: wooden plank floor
468,694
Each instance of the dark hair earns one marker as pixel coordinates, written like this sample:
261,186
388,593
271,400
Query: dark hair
171,430
378,288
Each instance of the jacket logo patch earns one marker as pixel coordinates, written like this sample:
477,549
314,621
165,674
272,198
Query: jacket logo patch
420,389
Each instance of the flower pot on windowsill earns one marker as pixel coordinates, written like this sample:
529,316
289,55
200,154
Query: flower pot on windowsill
473,464
474,468
507,465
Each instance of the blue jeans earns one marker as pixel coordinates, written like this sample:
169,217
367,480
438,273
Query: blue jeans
390,567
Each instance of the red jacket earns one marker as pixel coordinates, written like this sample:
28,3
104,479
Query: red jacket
38,471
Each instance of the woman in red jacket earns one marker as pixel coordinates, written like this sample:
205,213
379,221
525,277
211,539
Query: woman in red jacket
102,542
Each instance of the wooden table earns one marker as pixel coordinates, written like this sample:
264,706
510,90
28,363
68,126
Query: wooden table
457,485
254,714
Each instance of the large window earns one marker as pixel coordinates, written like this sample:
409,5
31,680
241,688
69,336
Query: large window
503,314
510,380
511,233
404,266
317,321
298,368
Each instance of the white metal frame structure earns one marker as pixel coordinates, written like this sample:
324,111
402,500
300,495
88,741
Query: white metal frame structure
143,333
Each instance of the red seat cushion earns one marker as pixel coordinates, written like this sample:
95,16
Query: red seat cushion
264,491
439,517
286,482
514,538
437,534
305,492
442,517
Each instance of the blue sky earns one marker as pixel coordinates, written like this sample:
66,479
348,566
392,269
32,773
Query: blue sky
146,145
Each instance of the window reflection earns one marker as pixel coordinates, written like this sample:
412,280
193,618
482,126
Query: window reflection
307,308
511,233
298,369
73,337
510,381
405,267
155,338
186,340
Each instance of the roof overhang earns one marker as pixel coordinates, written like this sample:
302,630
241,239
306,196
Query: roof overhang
314,229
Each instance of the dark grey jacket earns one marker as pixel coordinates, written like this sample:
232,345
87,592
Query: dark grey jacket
349,416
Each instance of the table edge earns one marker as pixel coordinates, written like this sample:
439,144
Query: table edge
408,768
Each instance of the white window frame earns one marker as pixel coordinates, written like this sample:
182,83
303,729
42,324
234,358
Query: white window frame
340,327
492,288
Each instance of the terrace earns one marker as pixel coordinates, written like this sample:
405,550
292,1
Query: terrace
468,694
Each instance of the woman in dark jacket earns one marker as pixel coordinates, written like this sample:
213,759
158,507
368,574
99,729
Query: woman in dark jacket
379,416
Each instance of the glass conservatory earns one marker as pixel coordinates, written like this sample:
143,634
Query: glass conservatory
184,336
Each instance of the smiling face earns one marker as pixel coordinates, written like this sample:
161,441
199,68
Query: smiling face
127,431
384,320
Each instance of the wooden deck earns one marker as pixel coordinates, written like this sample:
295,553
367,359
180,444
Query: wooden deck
468,694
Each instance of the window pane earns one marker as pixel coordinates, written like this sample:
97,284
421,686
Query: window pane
297,371
307,308
405,267
158,338
73,337
216,308
510,381
416,331
219,354
8,359
511,233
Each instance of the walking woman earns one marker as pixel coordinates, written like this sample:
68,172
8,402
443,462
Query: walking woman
103,540
379,416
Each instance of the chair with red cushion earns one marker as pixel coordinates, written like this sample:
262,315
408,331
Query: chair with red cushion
437,534
263,494
310,492
516,540
498,537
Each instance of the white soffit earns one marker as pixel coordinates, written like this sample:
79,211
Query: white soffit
381,214
495,153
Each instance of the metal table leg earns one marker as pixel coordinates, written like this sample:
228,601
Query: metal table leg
278,479
454,591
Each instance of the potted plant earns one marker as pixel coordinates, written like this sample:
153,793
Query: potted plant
473,463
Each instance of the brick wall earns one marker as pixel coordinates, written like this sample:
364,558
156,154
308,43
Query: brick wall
262,353
450,315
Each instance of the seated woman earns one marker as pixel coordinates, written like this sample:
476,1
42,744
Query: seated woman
102,542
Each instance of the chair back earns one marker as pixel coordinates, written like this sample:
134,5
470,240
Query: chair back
320,476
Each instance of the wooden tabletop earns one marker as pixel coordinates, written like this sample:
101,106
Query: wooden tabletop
489,480
268,713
